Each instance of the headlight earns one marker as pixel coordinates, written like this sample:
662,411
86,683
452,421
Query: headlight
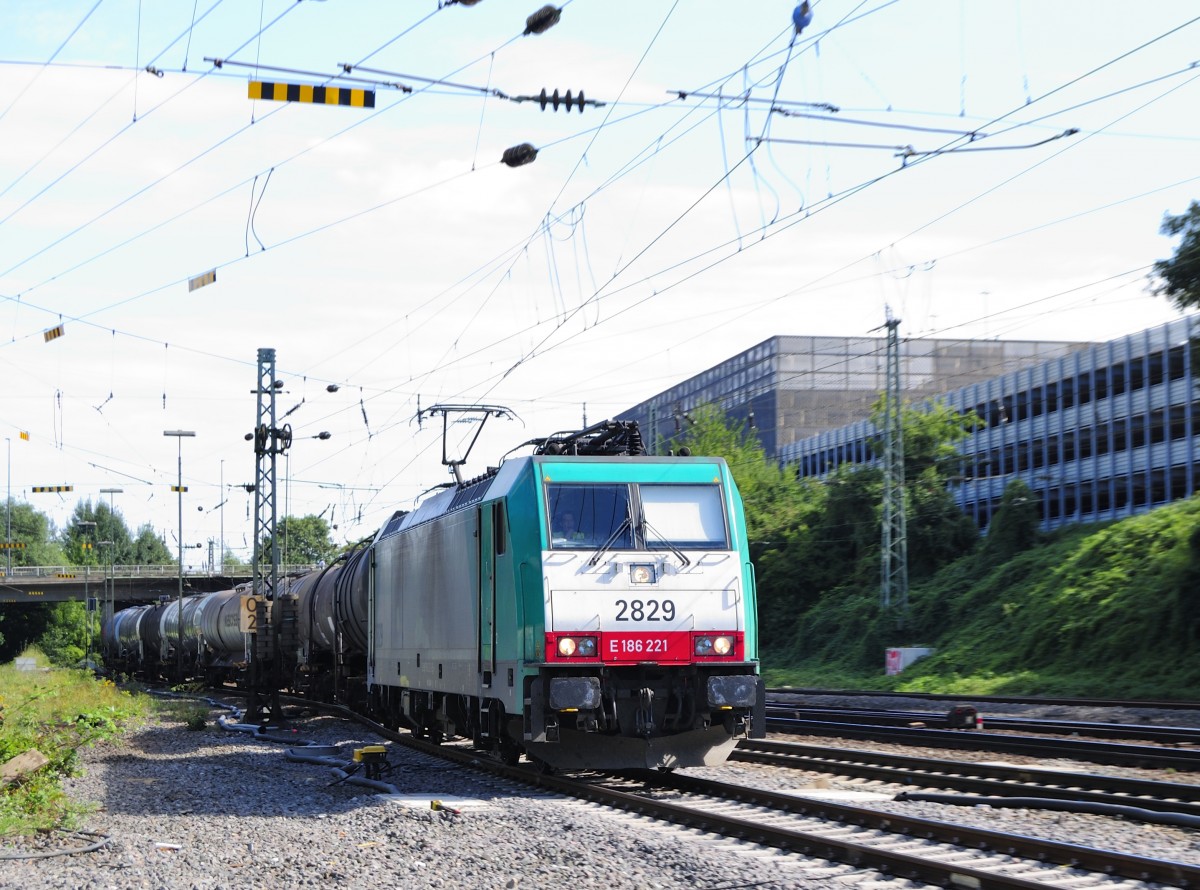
579,647
641,574
718,645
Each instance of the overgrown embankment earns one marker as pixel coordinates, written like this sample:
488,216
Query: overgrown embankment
1109,610
54,712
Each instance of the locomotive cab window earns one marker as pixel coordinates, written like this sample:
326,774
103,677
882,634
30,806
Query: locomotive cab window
689,517
636,517
589,516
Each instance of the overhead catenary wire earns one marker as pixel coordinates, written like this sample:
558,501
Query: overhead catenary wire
244,44
54,55
104,145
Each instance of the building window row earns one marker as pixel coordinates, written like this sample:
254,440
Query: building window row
1121,434
1097,497
1088,386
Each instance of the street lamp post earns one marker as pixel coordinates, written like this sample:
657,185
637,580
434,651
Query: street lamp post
112,546
179,436
108,610
8,514
84,547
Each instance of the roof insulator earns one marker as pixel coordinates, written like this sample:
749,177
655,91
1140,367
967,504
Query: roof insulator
467,2
542,20
519,155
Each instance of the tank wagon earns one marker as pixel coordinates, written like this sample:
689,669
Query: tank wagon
586,605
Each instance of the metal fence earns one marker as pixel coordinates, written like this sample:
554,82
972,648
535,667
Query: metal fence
122,572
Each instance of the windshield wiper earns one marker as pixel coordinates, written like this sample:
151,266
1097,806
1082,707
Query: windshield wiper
625,524
648,527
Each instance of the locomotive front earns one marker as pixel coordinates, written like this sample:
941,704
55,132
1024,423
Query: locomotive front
650,632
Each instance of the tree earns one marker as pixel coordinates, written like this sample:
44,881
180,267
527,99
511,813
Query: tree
938,531
1014,528
303,540
931,433
24,622
146,548
36,532
65,637
1178,279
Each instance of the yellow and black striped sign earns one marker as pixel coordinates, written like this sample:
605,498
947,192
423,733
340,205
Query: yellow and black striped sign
25,435
42,489
304,92
201,280
179,488
53,333
66,576
14,545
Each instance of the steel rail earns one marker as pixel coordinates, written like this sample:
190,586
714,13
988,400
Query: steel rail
978,778
998,699
1143,732
1104,862
1143,756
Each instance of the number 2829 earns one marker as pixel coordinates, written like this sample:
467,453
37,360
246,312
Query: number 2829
645,610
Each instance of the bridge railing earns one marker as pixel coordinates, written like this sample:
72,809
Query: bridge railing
74,573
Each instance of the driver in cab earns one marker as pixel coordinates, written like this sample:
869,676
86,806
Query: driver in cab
565,532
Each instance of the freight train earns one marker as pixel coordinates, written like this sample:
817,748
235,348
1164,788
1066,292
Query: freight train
585,605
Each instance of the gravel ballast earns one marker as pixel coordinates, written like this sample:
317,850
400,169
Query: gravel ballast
219,809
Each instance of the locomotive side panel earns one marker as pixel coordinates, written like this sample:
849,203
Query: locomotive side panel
520,613
427,605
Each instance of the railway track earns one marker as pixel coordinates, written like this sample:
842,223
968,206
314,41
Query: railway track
967,718
915,849
1091,791
1142,756
1152,704
855,838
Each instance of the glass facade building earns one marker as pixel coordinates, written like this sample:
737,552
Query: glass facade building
790,388
1101,432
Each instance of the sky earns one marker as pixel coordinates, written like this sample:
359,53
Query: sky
980,170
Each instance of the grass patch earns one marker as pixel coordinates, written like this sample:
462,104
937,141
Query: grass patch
1106,611
58,712
191,713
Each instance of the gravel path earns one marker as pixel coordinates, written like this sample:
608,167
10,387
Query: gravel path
217,809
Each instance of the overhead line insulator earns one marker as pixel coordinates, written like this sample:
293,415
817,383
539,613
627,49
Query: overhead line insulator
519,155
555,100
542,20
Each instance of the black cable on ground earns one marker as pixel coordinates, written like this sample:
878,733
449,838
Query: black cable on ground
48,854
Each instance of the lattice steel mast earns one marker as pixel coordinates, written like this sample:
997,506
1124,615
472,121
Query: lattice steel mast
894,569
272,619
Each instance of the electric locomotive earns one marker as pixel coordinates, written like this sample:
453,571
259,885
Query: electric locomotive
586,605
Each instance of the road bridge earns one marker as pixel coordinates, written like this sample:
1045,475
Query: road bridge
119,584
